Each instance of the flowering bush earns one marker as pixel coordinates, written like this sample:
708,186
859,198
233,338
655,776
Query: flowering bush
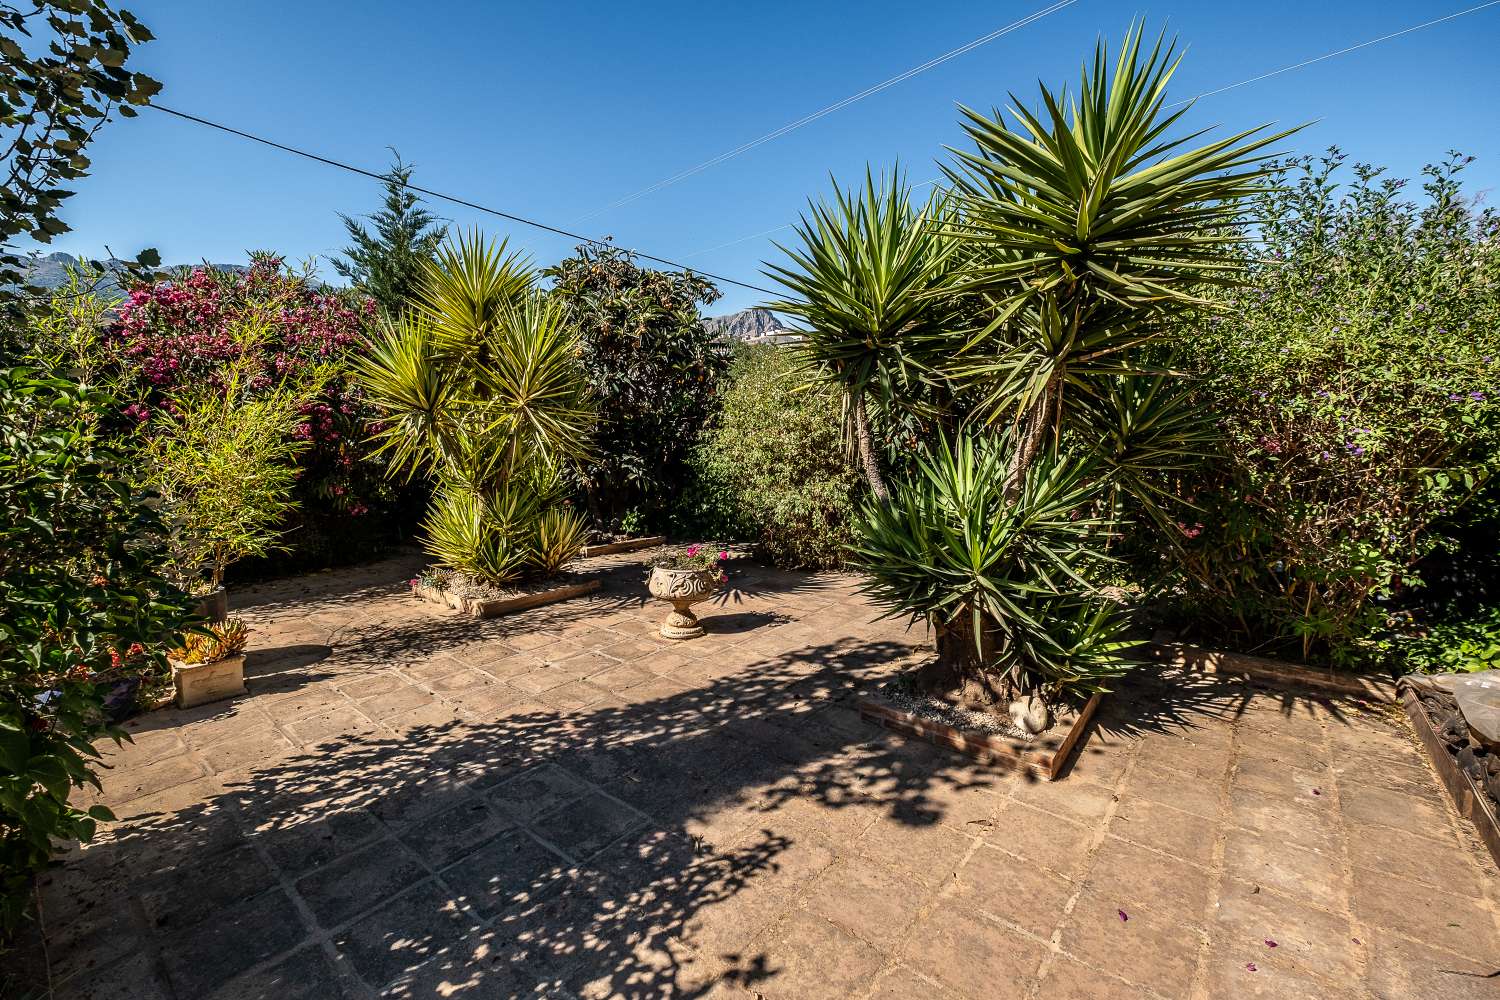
1356,379
189,331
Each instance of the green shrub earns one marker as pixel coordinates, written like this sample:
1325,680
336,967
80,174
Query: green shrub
654,371
1356,380
773,467
482,388
84,600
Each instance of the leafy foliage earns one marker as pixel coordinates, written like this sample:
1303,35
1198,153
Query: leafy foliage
1039,295
1002,571
481,387
62,74
80,551
387,264
771,468
222,460
1355,378
187,331
654,371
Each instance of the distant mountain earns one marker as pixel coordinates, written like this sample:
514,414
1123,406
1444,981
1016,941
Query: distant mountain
755,326
51,271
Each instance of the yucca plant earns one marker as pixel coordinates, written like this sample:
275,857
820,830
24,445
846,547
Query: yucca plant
480,386
869,279
1000,575
1042,290
1094,225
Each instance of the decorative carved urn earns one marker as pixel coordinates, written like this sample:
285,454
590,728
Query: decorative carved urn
683,588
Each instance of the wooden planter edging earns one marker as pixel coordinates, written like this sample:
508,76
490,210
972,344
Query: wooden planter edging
1044,756
1275,671
628,545
504,605
1470,801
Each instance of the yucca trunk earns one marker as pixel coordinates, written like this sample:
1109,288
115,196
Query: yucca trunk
963,672
864,445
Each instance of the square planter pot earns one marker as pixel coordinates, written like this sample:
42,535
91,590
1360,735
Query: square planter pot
200,683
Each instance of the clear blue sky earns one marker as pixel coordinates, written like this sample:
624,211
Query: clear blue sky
556,110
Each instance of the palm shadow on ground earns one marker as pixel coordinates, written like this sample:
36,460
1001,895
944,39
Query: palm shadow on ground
603,852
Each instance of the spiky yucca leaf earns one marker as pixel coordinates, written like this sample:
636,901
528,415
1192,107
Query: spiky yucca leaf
467,288
415,392
866,276
560,535
951,549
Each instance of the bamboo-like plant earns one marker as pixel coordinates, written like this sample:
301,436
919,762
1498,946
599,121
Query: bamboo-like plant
481,387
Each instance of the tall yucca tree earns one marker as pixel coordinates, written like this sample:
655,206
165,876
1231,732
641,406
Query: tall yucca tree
1094,222
481,386
867,278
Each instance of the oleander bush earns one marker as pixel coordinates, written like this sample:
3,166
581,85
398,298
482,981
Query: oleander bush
654,370
772,467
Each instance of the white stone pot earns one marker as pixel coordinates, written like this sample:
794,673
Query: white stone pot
682,588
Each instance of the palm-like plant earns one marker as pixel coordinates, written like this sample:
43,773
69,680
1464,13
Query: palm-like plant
1000,573
1093,225
868,279
481,387
1066,250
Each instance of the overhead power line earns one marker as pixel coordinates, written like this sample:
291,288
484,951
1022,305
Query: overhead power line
837,106
1339,52
1207,93
522,220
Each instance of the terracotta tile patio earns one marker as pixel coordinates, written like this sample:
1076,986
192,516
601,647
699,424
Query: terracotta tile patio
415,804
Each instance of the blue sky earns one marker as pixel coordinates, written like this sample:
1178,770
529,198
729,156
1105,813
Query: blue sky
555,111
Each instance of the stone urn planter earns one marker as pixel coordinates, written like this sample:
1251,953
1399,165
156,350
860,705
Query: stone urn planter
683,588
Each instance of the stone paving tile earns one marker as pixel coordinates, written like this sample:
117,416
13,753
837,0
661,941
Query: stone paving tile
560,803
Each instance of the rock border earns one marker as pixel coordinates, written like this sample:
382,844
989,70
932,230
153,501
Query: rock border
1044,756
1260,668
628,545
494,607
1470,801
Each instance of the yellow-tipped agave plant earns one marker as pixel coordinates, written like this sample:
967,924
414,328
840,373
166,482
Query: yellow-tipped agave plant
481,387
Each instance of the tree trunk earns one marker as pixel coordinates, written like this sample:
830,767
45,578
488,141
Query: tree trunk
962,674
864,444
1036,424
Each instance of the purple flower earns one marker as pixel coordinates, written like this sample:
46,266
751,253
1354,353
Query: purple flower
1476,395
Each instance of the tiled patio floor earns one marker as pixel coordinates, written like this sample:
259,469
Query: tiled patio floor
414,804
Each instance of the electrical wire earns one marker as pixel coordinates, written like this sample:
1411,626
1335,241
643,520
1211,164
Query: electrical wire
1188,100
512,217
837,106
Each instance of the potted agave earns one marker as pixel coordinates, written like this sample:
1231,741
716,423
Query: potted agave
684,578
210,665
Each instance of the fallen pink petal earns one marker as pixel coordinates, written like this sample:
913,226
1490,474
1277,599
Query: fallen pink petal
1250,966
1270,943
1123,915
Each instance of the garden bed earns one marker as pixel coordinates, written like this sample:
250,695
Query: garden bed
1278,672
1044,754
623,545
492,602
1430,714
